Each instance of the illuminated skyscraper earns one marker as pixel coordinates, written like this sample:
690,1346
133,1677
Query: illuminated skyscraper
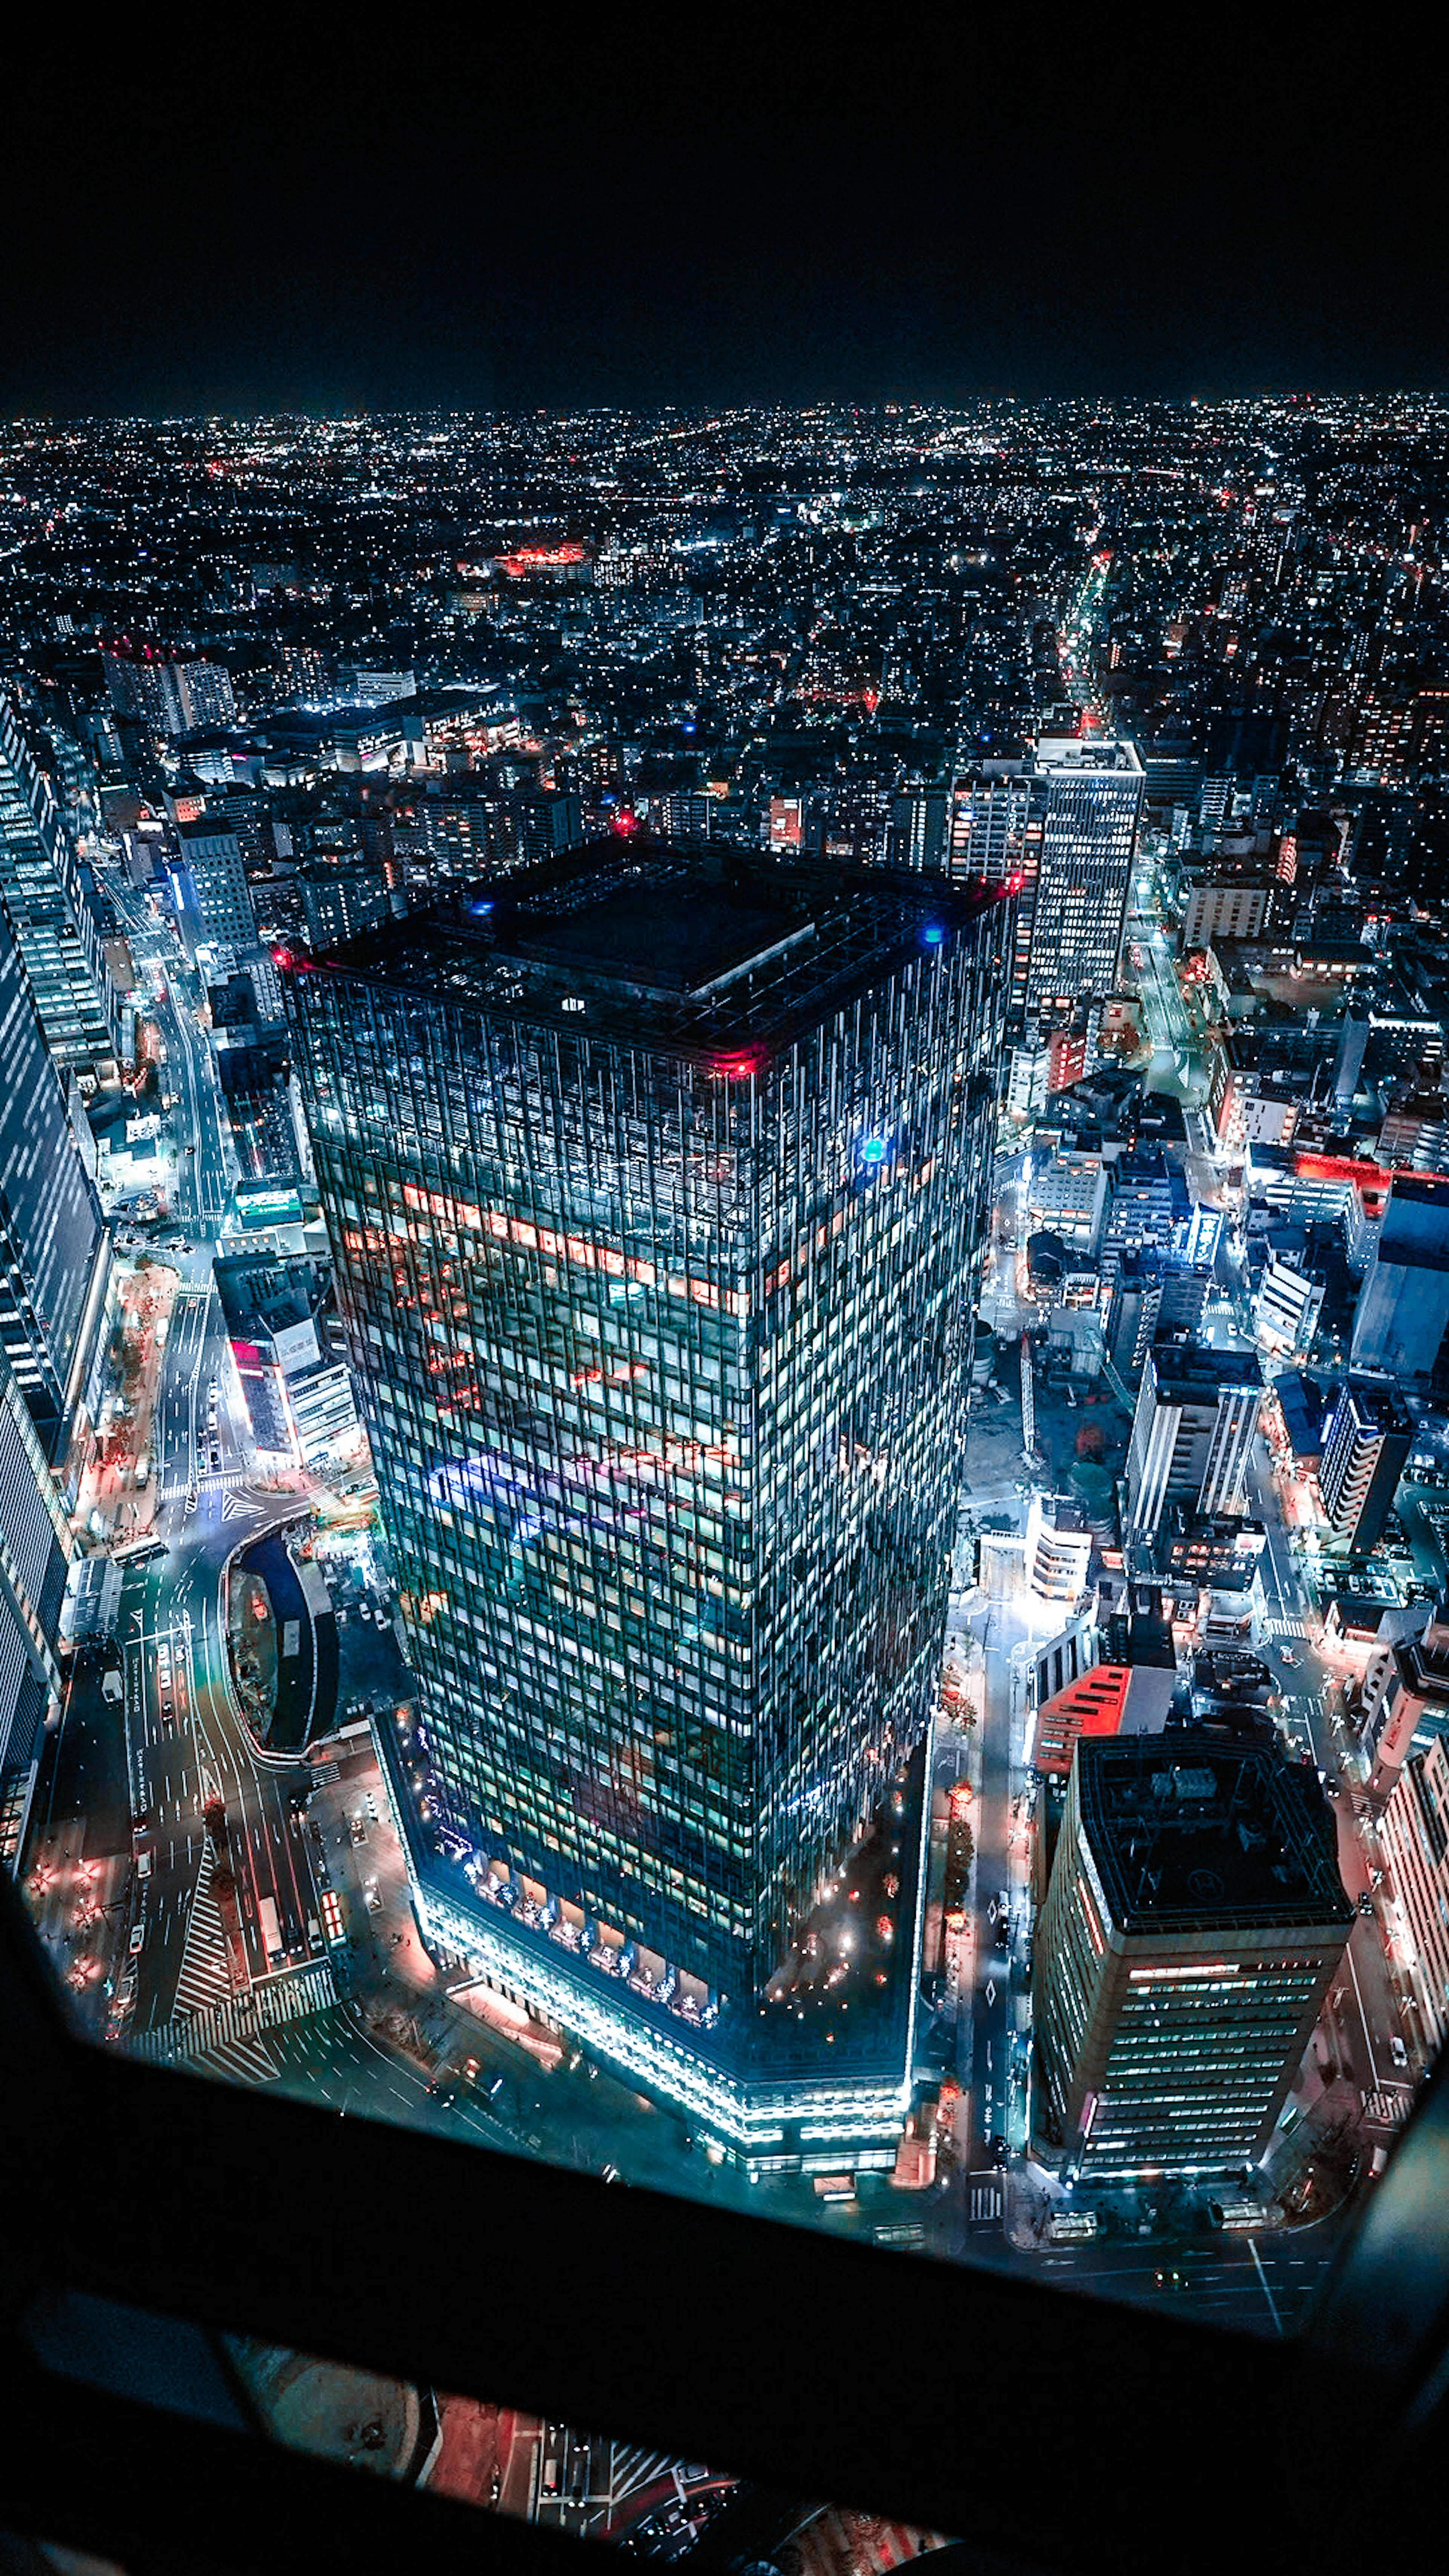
1194,1919
41,891
654,1179
1087,796
53,1248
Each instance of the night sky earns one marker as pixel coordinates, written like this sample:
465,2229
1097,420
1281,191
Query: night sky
468,222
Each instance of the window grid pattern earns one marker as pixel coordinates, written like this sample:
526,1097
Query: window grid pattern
663,1374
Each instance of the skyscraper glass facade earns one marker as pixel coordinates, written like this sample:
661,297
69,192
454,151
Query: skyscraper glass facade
41,894
50,1224
654,1181
1088,793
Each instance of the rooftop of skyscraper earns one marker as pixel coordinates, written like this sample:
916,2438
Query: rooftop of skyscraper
711,948
1087,752
1377,1404
1186,1829
1188,1372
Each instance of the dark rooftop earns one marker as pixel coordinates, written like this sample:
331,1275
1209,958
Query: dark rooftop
1188,1831
1190,1371
691,947
680,938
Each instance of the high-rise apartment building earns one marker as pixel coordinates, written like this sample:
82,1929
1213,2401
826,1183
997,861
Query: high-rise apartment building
171,694
1369,1436
1087,795
1193,1921
47,909
1197,1411
654,1179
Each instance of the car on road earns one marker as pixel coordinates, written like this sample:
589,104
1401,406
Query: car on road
1397,2050
1003,1933
1365,1902
997,2151
1168,2280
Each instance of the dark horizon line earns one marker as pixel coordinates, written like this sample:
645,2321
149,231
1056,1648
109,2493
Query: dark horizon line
326,413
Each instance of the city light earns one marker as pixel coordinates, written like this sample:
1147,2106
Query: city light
757,1406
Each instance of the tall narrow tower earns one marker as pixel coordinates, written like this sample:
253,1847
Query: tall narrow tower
1087,794
654,1178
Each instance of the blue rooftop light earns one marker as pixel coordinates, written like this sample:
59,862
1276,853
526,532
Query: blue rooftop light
873,1150
478,909
933,934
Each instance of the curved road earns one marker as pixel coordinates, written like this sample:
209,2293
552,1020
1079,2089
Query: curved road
176,1739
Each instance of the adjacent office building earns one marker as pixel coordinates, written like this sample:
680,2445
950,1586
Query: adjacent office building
1193,1922
35,1546
1403,1305
53,1246
1369,1436
210,885
655,1179
1088,795
1415,1831
1197,1410
47,909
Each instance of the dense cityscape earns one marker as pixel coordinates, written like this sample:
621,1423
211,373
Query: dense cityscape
724,1415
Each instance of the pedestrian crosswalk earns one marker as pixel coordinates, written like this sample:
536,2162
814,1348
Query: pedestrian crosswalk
175,1489
246,2061
205,1979
1282,1627
240,2020
1386,2110
985,2196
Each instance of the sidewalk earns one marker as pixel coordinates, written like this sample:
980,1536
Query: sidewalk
146,1304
